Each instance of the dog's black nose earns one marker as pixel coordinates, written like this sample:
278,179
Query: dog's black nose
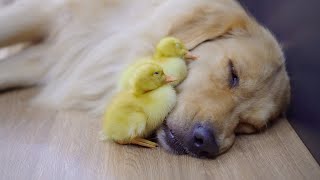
202,142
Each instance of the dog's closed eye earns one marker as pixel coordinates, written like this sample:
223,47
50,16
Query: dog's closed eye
233,77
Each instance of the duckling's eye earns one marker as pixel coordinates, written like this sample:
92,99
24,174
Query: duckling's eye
233,78
156,73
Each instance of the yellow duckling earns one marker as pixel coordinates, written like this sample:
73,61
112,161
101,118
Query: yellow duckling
136,112
170,54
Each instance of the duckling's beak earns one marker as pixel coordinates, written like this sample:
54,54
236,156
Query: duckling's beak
170,79
189,55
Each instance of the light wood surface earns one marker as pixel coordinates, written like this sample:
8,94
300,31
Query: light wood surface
43,144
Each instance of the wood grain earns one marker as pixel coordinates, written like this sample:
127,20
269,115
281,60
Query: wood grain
43,144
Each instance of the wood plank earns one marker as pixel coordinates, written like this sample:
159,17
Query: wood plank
43,144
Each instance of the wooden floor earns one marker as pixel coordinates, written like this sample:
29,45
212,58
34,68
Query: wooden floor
38,144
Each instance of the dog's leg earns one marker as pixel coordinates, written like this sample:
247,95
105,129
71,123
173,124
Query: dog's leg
23,69
22,21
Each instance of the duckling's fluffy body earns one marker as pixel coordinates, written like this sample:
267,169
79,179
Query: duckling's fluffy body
174,66
139,110
130,116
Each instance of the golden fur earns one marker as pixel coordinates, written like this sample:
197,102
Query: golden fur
80,47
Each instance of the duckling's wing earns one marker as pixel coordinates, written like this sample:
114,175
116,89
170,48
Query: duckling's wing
136,124
125,124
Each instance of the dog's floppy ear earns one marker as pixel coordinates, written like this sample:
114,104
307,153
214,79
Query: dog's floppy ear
208,21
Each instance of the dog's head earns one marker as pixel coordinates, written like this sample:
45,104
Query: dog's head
238,84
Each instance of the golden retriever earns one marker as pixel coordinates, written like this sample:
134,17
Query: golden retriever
79,48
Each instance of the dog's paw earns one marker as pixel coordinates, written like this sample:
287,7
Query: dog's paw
244,128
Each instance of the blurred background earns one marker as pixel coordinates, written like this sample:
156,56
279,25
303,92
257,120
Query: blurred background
296,23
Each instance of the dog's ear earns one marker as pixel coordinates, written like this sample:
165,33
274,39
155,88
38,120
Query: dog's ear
269,108
210,21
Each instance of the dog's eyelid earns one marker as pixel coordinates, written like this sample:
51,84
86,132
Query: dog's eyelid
233,78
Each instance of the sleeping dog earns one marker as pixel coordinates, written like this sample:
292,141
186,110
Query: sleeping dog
78,48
